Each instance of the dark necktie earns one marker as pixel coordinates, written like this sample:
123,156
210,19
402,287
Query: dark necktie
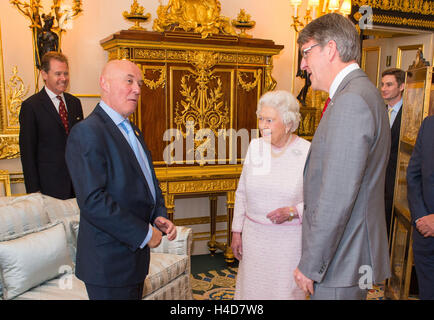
63,114
325,106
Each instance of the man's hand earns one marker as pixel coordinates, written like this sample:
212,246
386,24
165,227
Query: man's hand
425,225
237,245
156,238
303,282
167,227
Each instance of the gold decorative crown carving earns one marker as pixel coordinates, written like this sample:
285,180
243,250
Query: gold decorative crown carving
200,16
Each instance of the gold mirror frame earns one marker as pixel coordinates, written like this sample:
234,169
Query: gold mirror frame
364,58
402,49
9,128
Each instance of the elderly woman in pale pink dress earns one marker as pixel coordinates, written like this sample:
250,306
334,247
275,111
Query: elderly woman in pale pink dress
266,228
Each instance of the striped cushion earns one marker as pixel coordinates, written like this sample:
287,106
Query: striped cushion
22,214
180,245
66,211
164,268
178,289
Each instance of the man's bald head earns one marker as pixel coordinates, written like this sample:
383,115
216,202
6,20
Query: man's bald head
120,83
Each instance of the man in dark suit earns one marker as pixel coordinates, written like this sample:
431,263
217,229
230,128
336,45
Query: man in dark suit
45,121
122,211
392,88
420,193
344,238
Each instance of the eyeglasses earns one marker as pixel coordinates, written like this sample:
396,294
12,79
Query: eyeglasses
304,52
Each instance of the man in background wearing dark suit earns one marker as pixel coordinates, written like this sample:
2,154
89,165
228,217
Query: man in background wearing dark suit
45,121
420,193
122,211
392,88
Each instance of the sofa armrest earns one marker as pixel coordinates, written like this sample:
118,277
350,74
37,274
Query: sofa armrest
180,245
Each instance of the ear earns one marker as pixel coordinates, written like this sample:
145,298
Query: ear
44,75
104,84
401,87
332,50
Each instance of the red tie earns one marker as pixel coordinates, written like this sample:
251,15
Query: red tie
325,106
63,114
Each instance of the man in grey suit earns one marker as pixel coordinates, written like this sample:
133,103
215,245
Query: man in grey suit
344,239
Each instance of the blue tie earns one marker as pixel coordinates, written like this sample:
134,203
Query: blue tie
143,162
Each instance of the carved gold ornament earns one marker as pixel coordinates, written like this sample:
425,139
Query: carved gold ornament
424,7
9,147
136,15
251,85
16,94
200,16
155,84
203,105
243,23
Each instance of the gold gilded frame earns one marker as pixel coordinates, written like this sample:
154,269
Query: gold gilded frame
364,54
401,49
6,182
9,147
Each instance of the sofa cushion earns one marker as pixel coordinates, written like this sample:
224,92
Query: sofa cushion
21,214
65,211
65,287
164,268
73,228
31,258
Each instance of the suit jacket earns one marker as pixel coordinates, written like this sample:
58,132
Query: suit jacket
420,182
42,144
343,223
391,167
116,205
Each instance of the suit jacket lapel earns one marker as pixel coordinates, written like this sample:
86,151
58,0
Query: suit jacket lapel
353,74
50,108
73,116
122,142
397,124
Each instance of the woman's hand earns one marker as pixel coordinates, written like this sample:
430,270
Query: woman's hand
237,245
282,215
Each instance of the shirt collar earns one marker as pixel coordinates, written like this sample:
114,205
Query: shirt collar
340,76
52,95
397,106
115,116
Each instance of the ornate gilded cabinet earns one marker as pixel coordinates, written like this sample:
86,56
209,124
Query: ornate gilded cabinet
198,107
417,104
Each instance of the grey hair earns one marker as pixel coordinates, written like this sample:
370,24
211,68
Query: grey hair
334,27
285,103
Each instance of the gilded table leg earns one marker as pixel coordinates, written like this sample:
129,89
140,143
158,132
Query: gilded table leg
212,244
170,205
230,202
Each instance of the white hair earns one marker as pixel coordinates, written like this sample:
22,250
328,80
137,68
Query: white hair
285,103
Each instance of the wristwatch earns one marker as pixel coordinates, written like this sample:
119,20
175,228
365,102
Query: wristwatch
291,213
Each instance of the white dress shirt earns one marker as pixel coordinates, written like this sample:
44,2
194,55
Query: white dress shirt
395,110
340,76
54,99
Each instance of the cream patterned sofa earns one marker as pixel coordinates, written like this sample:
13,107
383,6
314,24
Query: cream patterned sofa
37,254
